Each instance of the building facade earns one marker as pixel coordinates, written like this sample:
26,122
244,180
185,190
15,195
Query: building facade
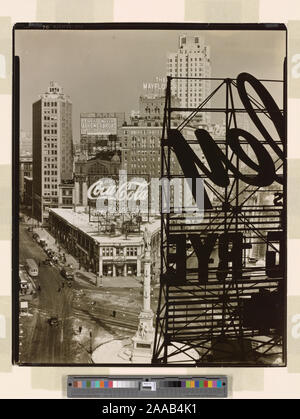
152,108
192,59
27,197
25,171
88,171
106,254
140,147
52,149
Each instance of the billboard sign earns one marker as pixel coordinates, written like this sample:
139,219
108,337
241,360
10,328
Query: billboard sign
98,126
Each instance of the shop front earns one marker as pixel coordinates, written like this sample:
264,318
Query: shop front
119,269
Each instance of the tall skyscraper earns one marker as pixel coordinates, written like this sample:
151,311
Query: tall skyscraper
52,147
192,59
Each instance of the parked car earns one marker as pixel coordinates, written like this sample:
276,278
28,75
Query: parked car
67,273
53,321
47,261
43,242
50,253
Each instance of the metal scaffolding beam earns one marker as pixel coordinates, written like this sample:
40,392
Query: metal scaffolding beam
213,322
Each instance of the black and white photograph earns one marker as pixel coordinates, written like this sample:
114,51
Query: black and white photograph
151,195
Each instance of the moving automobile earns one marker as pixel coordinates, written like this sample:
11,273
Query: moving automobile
67,273
31,267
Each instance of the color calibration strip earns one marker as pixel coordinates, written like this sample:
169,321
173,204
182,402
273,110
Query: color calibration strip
146,386
105,384
193,384
135,384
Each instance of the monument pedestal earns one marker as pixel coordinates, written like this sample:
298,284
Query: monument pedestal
144,338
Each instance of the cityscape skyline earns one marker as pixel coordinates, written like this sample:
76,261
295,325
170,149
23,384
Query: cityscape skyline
156,285
120,91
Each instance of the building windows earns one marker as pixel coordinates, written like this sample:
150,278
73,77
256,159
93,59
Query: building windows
67,201
108,251
131,251
119,251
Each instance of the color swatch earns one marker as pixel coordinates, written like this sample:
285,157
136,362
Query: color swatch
105,384
109,384
147,386
192,384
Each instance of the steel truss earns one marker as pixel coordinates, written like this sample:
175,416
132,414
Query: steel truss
214,323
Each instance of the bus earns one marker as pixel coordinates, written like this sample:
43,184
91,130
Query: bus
25,283
31,267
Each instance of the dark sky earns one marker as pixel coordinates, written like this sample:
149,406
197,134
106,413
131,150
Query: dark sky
103,71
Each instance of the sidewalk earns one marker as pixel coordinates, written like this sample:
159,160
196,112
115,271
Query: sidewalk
83,275
52,244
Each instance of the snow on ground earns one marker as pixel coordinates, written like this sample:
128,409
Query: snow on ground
109,353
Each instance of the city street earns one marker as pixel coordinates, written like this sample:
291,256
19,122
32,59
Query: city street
42,342
103,311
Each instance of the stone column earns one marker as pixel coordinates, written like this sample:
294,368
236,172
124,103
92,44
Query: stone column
60,201
76,193
100,262
138,266
144,337
125,269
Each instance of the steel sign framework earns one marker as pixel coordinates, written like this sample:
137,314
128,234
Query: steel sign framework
223,279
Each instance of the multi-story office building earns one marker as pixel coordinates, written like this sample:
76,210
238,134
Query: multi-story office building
192,59
27,195
152,108
25,170
140,147
52,149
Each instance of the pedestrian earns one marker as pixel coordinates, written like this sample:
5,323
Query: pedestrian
59,289
39,263
62,285
80,329
39,288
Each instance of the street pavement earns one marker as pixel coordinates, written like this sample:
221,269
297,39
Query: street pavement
42,343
